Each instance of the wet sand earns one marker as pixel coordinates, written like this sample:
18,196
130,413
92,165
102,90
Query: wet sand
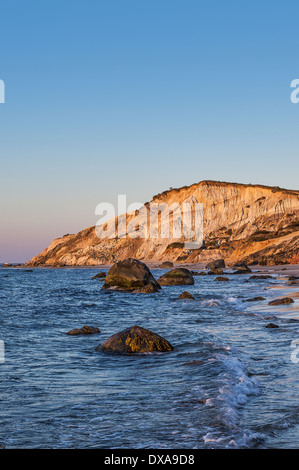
286,288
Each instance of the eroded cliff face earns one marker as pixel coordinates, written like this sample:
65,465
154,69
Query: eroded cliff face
250,223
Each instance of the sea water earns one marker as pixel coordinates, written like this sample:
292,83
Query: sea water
229,382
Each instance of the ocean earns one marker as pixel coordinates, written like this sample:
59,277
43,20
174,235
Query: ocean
230,382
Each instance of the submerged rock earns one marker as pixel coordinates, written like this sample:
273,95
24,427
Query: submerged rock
195,362
101,275
222,279
85,330
130,275
215,272
135,340
255,299
176,277
272,325
285,300
186,295
261,277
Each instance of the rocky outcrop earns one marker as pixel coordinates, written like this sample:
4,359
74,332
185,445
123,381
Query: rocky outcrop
255,299
215,272
283,301
166,264
253,224
262,276
135,340
218,263
176,277
131,275
100,275
243,270
85,330
185,295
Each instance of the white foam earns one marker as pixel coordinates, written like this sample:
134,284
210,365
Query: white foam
234,392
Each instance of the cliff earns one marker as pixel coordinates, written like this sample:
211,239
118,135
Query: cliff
241,222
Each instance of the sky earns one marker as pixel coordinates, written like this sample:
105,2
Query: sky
133,97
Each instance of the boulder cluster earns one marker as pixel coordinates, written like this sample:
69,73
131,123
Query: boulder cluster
133,276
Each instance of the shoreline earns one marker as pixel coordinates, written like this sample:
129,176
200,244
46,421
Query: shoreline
283,269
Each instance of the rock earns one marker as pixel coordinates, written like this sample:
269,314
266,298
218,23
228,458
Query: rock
202,273
176,277
146,290
255,299
215,272
195,362
186,295
218,263
135,340
272,325
85,330
166,264
130,275
243,269
293,278
101,275
261,277
285,300
222,278
196,273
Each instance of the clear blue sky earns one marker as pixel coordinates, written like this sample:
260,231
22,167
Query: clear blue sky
133,96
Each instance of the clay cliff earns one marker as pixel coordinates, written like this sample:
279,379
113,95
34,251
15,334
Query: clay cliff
241,222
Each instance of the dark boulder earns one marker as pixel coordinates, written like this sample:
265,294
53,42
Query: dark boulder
166,264
215,272
243,269
255,299
272,325
284,301
261,277
218,263
85,330
149,289
101,275
135,340
130,275
222,279
176,277
186,295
